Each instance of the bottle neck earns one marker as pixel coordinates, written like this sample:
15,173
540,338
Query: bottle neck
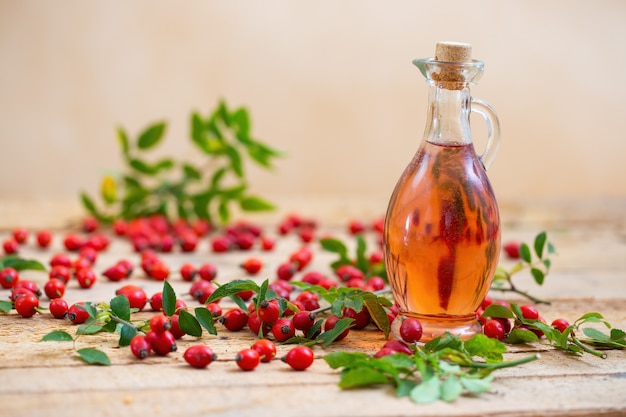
448,116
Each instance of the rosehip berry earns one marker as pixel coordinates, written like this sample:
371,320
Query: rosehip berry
8,277
156,301
301,258
140,347
26,305
312,277
160,323
266,349
18,292
349,272
529,312
207,272
299,358
206,291
116,272
221,244
175,330
28,285
73,242
303,320
285,271
88,253
199,356
252,265
309,300
283,329
376,257
376,283
54,288
361,319
58,308
60,259
137,297
244,241
268,311
255,325
234,319
188,272
20,235
385,351
267,243
560,324
487,301
77,313
162,343
398,346
494,329
86,277
61,272
330,324
512,250
247,359
188,242
44,238
306,234
356,227
159,271
90,224
10,246
215,309
411,330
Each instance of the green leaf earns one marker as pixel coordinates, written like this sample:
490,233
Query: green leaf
142,166
329,336
596,334
126,334
122,139
169,299
485,347
205,318
618,334
151,136
517,336
120,306
451,389
191,172
189,324
524,253
344,359
223,211
57,336
89,328
235,161
427,392
21,264
253,203
232,288
360,377
538,275
540,242
477,385
335,246
362,262
496,310
378,315
241,119
94,356
5,306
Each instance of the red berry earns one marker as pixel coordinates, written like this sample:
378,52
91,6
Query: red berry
285,271
330,324
283,329
207,272
255,324
61,272
398,346
90,224
267,243
61,259
88,253
385,351
215,309
8,277
376,283
349,272
160,323
411,330
487,301
86,277
18,292
234,319
28,285
10,246
247,359
361,319
175,330
376,257
494,329
140,347
137,297
20,235
299,358
26,305
301,258
58,308
244,241
162,343
221,244
188,272
309,300
77,313
73,242
159,271
268,311
306,234
512,250
312,277
54,288
303,320
529,312
266,349
120,227
252,265
44,238
199,356
156,301
116,272
560,324
188,242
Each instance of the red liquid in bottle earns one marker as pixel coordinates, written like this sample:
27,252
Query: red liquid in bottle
442,239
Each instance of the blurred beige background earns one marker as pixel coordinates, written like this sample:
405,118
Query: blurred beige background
329,82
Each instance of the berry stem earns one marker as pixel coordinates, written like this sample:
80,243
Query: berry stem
586,348
504,364
124,322
513,288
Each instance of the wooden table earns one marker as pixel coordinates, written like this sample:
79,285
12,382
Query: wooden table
589,274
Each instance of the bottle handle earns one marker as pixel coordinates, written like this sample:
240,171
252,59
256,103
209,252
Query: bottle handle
493,129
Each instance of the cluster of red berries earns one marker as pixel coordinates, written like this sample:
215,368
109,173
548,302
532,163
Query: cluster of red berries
499,328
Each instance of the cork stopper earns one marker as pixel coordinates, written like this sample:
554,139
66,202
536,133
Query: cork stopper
446,51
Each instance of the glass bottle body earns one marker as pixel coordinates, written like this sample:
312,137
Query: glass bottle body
442,227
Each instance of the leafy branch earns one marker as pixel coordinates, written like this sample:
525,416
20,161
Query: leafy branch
184,189
443,369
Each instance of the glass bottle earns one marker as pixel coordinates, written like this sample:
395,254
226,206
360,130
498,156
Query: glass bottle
442,227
